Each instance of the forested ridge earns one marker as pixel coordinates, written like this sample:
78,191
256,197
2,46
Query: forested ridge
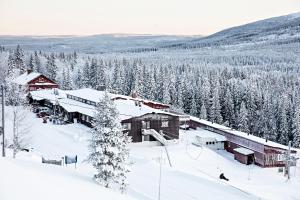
252,91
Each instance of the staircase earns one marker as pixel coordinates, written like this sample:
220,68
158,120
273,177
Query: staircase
158,136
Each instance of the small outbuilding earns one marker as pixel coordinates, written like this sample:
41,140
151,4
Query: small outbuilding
243,155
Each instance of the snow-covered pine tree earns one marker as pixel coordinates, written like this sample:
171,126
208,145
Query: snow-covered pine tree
93,74
109,150
37,63
19,59
243,123
203,113
228,109
193,110
296,128
66,83
215,114
282,135
86,80
31,63
78,79
11,65
51,67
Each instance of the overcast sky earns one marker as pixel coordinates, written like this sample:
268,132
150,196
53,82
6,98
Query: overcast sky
87,17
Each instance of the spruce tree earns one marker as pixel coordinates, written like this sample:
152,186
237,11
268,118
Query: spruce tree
296,130
243,119
203,112
31,63
109,145
19,59
37,63
51,67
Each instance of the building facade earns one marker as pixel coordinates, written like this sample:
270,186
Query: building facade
265,153
35,81
168,124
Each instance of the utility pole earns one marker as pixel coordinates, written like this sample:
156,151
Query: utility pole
3,122
159,183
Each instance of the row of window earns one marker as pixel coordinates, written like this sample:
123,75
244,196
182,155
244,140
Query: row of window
81,100
145,125
86,118
212,143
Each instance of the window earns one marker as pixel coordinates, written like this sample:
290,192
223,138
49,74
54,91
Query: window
126,126
280,157
146,125
165,124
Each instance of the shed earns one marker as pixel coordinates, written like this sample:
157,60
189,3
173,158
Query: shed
243,155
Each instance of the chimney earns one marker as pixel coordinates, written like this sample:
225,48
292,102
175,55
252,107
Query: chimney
29,71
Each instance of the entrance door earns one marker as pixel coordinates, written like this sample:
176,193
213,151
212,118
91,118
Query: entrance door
250,159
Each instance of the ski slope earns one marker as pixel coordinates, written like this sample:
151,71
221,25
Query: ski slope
194,174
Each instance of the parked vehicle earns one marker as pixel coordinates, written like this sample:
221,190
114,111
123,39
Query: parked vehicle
42,114
41,109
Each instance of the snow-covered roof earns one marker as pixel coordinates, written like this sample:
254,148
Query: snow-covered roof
50,95
241,134
95,95
244,151
26,77
88,94
75,106
127,108
208,134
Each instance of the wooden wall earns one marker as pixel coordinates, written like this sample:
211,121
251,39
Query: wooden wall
172,131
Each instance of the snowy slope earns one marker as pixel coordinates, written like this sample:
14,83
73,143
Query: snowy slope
194,174
29,180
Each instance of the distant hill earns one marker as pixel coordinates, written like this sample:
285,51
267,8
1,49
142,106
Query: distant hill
95,44
273,31
277,30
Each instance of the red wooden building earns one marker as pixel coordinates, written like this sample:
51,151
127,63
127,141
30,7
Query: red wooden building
247,148
35,81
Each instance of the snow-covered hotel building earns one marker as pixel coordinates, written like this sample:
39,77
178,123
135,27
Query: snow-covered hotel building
135,114
143,122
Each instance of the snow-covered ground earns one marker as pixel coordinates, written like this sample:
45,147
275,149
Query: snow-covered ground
193,175
24,179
